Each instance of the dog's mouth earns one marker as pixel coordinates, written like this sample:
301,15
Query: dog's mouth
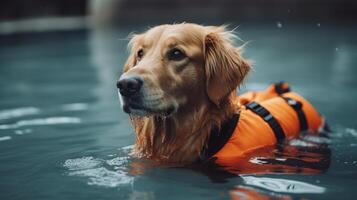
140,110
137,106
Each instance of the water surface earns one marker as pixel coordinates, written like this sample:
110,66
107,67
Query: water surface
63,135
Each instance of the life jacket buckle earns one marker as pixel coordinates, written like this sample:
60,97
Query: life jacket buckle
293,103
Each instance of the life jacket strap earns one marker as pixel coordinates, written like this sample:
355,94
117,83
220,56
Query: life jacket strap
297,106
219,137
268,118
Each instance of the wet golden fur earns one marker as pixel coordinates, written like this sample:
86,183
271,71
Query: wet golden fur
201,88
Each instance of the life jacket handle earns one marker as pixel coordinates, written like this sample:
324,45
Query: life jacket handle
281,87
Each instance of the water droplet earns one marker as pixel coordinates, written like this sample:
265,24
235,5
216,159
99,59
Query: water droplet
279,24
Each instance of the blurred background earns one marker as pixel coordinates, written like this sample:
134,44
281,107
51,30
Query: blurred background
301,41
145,12
63,134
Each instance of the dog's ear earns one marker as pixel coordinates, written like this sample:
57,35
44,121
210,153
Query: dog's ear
224,67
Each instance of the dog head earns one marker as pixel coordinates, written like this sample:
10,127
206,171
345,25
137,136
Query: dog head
174,68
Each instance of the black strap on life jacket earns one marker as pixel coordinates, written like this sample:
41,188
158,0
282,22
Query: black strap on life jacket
296,105
268,118
280,89
219,137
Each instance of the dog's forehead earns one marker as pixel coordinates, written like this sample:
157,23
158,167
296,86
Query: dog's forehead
174,34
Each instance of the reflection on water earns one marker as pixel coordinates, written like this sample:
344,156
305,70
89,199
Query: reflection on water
122,171
301,155
282,185
249,193
273,188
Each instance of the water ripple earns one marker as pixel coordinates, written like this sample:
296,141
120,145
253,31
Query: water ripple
82,163
351,132
97,173
41,122
317,139
18,112
117,161
104,177
126,149
5,138
301,143
24,131
75,107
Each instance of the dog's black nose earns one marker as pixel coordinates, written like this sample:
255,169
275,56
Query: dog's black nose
129,86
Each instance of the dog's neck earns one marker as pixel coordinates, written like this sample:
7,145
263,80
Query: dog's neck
180,137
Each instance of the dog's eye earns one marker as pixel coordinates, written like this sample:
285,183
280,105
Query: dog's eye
176,54
140,54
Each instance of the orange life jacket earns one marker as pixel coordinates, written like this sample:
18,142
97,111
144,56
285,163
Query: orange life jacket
267,118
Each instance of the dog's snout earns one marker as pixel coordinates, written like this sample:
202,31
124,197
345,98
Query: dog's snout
129,86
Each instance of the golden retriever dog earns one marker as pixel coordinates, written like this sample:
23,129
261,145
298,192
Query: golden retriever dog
178,83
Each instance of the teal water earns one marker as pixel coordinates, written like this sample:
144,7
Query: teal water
63,135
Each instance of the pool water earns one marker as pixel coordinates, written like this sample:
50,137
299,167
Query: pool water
63,135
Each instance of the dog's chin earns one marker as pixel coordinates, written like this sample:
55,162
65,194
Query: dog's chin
141,111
